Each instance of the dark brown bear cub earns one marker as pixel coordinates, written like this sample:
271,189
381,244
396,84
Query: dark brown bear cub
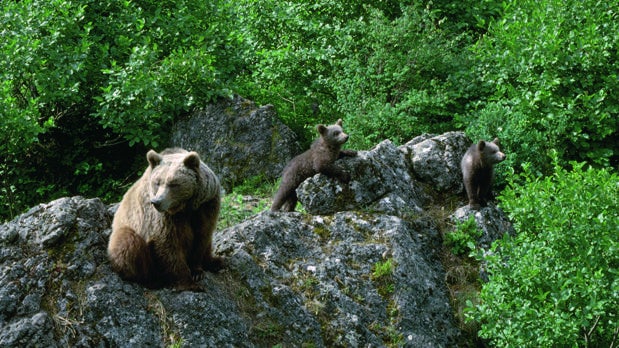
477,170
320,158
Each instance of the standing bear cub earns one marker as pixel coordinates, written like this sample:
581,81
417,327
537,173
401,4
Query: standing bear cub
162,230
320,158
477,170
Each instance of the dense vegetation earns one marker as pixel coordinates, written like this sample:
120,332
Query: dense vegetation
556,283
87,86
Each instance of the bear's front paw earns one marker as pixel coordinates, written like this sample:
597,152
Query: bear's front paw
189,286
474,206
214,264
197,274
345,177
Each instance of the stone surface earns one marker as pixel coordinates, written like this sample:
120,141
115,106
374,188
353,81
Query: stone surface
362,269
380,181
238,140
435,159
491,220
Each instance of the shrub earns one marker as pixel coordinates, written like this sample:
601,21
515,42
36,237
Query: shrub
557,282
462,240
549,70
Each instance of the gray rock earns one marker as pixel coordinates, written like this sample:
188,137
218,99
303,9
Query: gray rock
238,140
436,159
290,279
380,181
314,278
369,274
491,220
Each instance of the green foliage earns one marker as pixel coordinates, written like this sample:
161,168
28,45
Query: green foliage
86,87
176,54
557,282
399,77
251,197
390,70
462,239
549,69
383,269
382,275
83,81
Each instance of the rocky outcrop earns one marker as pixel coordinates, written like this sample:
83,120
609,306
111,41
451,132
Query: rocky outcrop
380,182
238,140
435,159
364,271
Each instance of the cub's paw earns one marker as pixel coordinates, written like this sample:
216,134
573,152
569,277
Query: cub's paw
214,264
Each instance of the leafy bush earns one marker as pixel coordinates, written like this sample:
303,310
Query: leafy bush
85,81
389,69
557,282
462,239
549,70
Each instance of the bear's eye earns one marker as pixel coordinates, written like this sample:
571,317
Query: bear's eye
173,184
336,133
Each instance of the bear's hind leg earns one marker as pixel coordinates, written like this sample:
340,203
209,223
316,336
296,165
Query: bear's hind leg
203,229
130,255
291,203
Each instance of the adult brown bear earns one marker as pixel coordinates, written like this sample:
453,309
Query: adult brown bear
162,230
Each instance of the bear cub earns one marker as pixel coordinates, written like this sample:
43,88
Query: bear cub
320,158
477,170
162,230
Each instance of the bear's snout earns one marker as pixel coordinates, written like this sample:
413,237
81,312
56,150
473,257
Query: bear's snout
157,203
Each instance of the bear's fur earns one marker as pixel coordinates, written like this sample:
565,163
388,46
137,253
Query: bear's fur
162,230
477,171
320,158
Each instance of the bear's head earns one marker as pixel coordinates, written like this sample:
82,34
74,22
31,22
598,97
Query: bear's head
490,152
174,180
333,134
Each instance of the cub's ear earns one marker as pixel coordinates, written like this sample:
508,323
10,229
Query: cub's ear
192,160
322,129
496,141
481,145
339,122
153,158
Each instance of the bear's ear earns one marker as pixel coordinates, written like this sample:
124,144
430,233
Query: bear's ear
322,129
496,141
153,158
481,145
192,160
339,122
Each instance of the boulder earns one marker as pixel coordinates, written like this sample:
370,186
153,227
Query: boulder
491,220
380,181
291,279
362,269
238,140
435,159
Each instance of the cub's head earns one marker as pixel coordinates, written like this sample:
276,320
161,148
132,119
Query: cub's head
490,152
333,134
173,179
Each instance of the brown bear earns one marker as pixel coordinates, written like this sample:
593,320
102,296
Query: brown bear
477,170
320,158
162,230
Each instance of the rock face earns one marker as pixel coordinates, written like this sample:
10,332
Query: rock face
238,140
436,159
364,271
380,181
389,179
